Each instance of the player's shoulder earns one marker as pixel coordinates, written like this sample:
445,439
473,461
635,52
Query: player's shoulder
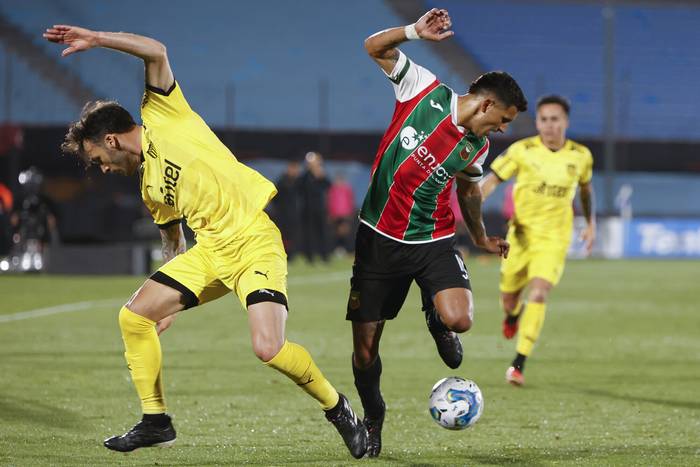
578,148
525,144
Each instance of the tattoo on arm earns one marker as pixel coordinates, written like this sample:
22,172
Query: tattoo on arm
470,205
587,203
173,240
392,55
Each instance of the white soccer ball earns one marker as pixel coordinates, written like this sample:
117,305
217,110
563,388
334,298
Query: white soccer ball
456,403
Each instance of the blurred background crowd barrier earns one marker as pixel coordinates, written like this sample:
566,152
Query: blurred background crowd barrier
305,106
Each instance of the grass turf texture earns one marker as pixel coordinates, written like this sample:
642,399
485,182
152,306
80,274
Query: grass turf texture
613,381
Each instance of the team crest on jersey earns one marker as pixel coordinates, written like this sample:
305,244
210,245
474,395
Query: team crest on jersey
466,151
151,151
410,138
571,169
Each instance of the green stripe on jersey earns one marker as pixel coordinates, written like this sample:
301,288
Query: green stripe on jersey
403,72
424,118
421,223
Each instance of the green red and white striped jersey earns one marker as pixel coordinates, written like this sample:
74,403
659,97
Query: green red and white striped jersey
418,158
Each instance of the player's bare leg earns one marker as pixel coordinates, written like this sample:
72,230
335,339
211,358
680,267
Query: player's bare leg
530,328
513,307
453,313
367,369
266,321
152,303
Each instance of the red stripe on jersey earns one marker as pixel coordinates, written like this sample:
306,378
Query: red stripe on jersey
401,113
481,152
410,176
443,215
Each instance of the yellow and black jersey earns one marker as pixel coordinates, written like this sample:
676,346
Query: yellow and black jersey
188,173
545,185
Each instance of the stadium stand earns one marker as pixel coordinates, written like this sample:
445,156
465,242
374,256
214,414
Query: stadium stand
220,37
559,48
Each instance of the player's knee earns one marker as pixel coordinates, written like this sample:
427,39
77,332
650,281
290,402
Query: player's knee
364,358
266,349
538,295
462,324
458,320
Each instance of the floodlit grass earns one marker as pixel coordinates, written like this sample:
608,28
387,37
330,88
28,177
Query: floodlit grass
614,380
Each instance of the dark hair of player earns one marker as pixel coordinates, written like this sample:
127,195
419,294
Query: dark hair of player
97,119
503,86
555,99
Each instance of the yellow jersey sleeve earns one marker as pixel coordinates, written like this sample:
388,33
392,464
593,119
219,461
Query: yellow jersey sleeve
160,106
164,217
505,166
587,172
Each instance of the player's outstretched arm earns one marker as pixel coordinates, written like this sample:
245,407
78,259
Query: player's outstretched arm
433,26
588,208
469,197
152,52
488,184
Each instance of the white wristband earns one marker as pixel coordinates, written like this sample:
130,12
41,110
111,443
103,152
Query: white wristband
411,33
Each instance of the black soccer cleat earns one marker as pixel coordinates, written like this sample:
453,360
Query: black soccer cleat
143,435
448,344
349,426
374,431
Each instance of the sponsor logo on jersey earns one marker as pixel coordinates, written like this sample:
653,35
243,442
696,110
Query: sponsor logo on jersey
410,138
554,191
170,178
428,162
435,105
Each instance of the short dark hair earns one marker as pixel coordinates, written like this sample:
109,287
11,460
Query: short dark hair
555,99
503,86
97,119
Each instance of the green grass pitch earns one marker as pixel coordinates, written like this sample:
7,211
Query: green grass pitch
614,380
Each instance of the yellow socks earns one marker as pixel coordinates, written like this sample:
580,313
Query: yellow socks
295,362
530,326
143,356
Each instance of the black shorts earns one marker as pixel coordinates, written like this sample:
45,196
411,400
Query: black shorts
384,269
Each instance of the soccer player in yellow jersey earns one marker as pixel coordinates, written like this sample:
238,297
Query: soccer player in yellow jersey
547,169
186,172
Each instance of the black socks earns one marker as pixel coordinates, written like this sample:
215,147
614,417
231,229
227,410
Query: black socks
367,384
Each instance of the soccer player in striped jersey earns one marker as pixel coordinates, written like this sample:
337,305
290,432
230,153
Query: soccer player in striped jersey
186,172
407,227
548,168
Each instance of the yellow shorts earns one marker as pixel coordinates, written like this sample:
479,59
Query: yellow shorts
254,261
529,259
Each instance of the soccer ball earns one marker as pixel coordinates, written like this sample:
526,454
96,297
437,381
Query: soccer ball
456,403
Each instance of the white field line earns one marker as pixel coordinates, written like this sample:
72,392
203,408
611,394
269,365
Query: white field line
112,302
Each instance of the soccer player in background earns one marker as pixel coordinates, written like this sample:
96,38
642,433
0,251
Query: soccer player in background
407,226
547,169
186,172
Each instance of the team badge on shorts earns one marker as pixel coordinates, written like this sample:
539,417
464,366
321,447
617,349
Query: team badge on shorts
354,300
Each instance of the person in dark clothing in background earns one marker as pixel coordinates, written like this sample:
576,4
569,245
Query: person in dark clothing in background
315,187
287,208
